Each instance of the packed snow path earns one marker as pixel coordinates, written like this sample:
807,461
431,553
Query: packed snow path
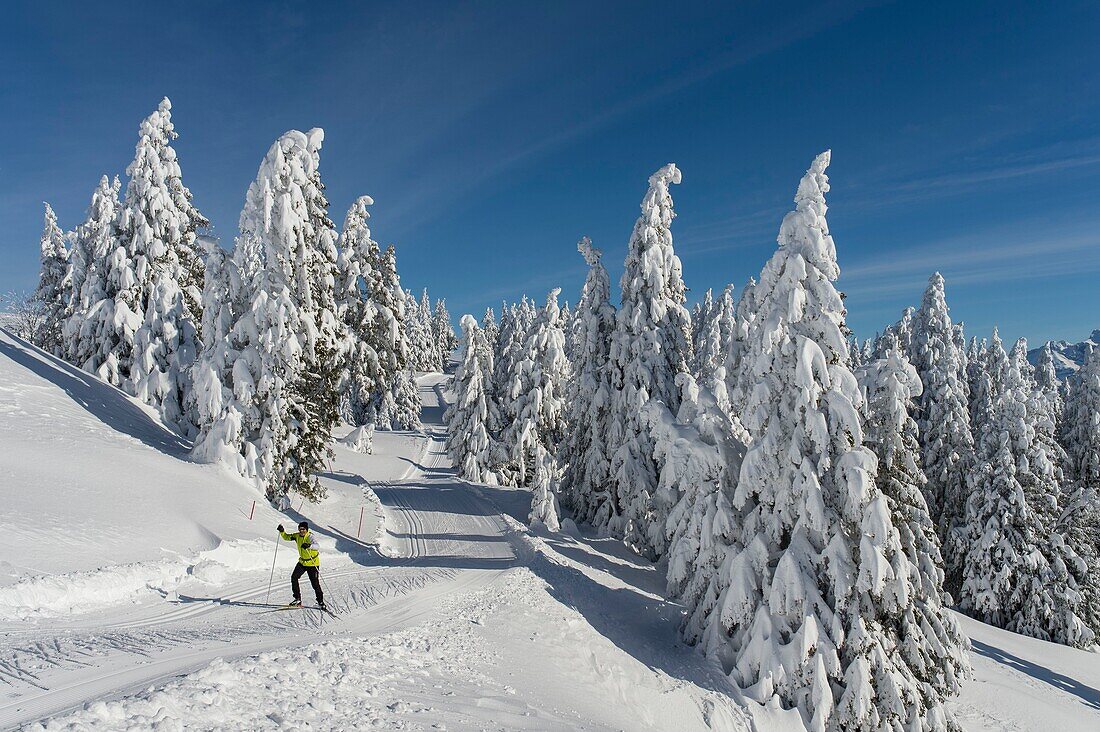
442,539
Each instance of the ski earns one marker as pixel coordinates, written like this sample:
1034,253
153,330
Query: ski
296,607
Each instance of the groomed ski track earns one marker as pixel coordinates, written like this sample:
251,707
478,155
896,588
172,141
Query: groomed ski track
441,539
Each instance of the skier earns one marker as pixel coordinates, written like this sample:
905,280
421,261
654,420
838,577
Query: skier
309,562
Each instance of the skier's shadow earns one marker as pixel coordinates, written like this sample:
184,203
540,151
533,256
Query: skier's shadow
187,599
1087,694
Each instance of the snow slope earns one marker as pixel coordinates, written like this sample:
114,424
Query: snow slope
452,614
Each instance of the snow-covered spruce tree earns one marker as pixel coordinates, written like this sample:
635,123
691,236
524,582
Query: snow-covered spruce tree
157,227
1081,431
415,337
855,355
85,332
976,355
929,640
738,381
1050,387
700,454
649,347
711,348
700,317
444,333
1068,513
358,312
813,586
943,418
568,325
1079,521
490,330
1042,475
470,442
397,403
584,455
504,326
537,425
287,337
1014,571
903,329
107,327
433,359
54,289
513,337
215,412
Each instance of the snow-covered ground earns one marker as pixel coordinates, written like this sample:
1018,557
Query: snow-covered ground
133,595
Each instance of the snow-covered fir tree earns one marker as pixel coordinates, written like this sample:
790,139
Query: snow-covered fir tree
927,637
537,420
568,325
433,358
157,228
902,330
587,486
1050,387
1014,567
513,337
396,403
490,330
358,311
216,414
419,341
470,441
287,339
700,317
443,332
649,348
1079,521
54,290
976,355
943,418
86,332
712,346
813,591
700,454
738,381
1081,419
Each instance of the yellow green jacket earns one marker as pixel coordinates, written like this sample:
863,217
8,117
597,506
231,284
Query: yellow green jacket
308,556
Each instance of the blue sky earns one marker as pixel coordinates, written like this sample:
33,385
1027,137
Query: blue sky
965,136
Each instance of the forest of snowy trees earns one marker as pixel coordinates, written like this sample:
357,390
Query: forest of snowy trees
254,353
818,501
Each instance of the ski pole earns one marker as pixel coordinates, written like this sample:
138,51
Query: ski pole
267,599
324,584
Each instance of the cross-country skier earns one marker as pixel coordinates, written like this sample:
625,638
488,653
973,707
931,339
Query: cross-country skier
309,562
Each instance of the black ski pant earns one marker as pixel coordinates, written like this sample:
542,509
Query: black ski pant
314,579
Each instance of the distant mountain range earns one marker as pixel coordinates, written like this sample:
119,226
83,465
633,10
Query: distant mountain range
1068,357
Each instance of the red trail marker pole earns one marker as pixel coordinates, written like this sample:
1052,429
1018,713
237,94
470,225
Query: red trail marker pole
360,522
253,511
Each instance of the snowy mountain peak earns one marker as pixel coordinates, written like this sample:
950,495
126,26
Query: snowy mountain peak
1068,357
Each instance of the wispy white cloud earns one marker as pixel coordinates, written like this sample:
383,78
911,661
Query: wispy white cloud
1018,252
983,171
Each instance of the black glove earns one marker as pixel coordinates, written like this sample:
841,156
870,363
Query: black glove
306,546
280,528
